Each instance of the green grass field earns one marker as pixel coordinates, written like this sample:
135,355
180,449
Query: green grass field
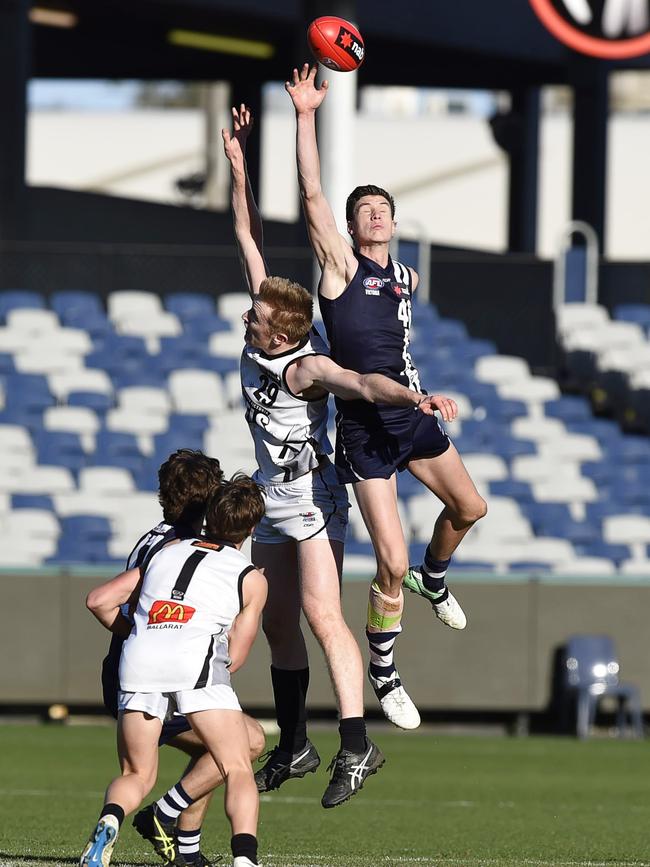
439,800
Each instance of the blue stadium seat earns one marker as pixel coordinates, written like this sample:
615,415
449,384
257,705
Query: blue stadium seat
541,515
363,549
138,374
60,448
639,313
449,332
630,493
529,566
191,424
86,527
75,303
220,365
605,431
616,553
190,305
32,501
27,392
569,409
408,485
7,365
146,478
166,443
117,449
600,472
182,352
74,550
509,448
520,491
95,400
202,327
506,410
98,325
471,350
12,299
630,449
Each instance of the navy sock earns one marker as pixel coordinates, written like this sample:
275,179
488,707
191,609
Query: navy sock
353,734
113,810
290,695
244,846
189,844
434,572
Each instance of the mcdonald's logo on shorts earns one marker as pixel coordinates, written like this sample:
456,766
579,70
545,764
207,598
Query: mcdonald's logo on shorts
163,611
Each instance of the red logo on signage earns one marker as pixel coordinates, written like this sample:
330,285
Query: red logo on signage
170,612
615,30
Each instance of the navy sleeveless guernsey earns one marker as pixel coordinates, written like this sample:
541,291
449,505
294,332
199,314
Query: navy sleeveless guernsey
368,329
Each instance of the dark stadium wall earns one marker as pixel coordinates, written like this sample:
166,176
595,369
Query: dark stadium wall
502,662
504,298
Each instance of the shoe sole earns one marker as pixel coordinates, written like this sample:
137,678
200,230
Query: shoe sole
292,777
85,861
356,791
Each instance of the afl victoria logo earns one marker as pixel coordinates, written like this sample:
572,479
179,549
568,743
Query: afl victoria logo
373,283
608,29
170,612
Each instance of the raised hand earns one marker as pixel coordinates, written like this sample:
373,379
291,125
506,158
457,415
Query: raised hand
234,144
303,91
445,405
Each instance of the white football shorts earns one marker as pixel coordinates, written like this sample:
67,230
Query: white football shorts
159,704
315,506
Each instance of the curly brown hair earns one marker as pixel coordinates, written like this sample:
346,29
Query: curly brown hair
234,509
186,481
292,307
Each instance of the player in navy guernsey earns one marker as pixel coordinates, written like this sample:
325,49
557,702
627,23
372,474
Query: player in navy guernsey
366,301
187,479
286,375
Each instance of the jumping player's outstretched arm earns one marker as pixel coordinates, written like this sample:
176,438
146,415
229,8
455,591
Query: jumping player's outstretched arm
319,371
246,217
333,252
106,601
246,625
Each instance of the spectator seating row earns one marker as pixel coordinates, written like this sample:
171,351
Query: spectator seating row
94,398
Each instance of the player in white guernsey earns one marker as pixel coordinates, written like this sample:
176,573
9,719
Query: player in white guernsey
286,376
366,301
187,479
197,615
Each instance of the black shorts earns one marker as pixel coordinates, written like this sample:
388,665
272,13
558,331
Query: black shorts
175,725
377,449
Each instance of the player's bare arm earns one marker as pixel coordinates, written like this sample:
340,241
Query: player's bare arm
105,601
320,372
247,623
331,248
246,217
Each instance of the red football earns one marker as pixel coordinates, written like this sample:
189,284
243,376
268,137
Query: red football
336,43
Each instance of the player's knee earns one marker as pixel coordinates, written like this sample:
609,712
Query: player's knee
256,739
473,511
393,568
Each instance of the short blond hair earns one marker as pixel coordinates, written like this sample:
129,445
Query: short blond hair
291,304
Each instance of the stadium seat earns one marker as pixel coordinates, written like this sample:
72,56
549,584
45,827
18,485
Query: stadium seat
75,303
226,344
501,369
15,299
61,384
591,672
123,306
586,567
231,306
568,408
94,400
33,323
196,392
639,313
60,448
26,501
190,305
112,481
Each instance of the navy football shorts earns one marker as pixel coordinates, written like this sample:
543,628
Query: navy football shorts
377,449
